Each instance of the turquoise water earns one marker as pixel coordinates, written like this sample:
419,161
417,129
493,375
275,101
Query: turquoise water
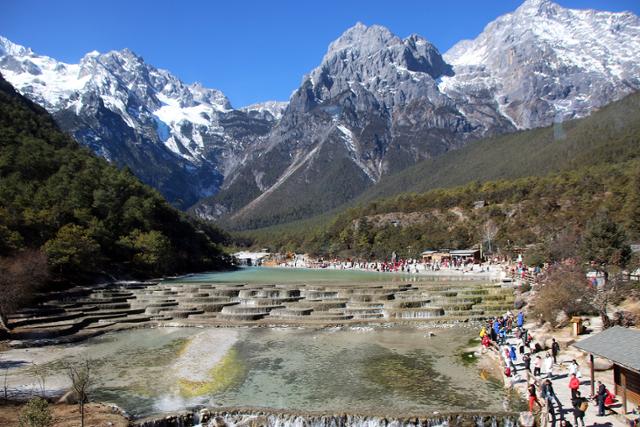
300,275
388,371
384,370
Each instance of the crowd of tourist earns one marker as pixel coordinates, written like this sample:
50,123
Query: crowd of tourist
400,265
523,359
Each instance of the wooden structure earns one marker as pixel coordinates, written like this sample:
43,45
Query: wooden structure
438,256
622,347
466,255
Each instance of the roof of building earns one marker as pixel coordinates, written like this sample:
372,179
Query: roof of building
464,252
618,344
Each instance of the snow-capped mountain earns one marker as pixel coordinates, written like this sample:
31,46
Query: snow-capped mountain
544,62
180,138
376,104
371,107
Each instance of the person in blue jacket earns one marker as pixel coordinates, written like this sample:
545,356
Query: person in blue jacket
520,319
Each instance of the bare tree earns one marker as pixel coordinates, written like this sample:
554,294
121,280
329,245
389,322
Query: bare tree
6,388
40,373
20,277
609,293
81,381
489,233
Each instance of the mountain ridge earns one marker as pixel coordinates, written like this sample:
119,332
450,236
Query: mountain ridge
375,105
349,103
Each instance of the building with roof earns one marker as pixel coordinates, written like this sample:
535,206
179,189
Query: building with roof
466,255
622,347
438,256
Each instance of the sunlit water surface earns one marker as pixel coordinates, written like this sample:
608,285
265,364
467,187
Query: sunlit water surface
396,370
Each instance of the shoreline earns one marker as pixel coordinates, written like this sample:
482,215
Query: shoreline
490,274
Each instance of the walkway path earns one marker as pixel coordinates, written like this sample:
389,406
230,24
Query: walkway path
560,381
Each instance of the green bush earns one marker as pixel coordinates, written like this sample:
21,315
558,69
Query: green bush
36,413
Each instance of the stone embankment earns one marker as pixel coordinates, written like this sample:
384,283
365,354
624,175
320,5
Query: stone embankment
127,305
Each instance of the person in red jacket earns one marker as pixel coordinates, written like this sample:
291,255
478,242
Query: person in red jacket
574,385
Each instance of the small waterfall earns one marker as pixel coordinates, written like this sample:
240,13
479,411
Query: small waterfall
265,418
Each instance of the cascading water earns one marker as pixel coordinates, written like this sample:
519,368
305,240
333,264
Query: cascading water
265,418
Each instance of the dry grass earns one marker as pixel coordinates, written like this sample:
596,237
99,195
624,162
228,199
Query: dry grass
96,415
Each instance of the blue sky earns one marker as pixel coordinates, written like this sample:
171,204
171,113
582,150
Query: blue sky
251,50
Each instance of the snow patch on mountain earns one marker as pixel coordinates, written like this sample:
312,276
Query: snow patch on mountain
561,60
274,108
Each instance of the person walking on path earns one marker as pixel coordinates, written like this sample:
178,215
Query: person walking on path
574,386
548,365
555,349
573,368
520,319
512,353
550,396
526,359
537,364
533,397
549,393
601,395
580,406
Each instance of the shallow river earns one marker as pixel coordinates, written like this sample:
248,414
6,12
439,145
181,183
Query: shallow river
396,370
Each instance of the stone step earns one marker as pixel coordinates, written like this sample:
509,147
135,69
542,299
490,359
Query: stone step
355,311
210,307
364,316
247,309
321,316
131,319
407,303
414,313
320,305
45,319
319,294
370,297
242,316
225,292
290,312
269,293
103,305
180,314
257,301
375,304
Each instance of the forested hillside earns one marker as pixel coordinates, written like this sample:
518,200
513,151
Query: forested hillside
84,217
434,208
607,136
498,214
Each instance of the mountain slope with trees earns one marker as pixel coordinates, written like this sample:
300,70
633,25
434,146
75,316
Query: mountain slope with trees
513,213
606,136
69,216
595,143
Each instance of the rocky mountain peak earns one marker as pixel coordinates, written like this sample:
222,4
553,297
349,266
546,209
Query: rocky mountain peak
366,39
373,59
537,7
544,63
7,47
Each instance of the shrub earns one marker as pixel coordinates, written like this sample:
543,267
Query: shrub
36,413
564,290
